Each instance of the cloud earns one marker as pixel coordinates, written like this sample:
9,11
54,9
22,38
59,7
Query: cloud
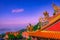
17,10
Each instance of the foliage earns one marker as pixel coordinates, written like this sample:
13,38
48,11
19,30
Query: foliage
29,38
11,36
37,26
19,36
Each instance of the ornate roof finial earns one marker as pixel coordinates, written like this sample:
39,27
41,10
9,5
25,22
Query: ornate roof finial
56,9
46,15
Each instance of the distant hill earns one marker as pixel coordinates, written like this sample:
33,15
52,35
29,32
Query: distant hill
22,30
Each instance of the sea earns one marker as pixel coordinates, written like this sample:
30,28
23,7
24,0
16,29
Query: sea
4,29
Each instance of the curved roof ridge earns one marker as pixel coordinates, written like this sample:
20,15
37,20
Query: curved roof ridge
52,20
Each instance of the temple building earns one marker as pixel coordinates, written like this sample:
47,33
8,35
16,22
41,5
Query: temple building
50,31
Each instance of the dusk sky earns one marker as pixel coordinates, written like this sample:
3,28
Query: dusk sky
22,12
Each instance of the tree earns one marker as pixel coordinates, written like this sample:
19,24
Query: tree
29,38
3,34
37,26
11,36
19,36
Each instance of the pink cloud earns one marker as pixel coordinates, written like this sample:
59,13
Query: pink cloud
17,10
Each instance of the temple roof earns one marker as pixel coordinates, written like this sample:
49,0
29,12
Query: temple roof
52,20
51,30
